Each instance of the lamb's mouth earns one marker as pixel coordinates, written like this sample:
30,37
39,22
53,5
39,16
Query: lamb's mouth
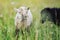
24,18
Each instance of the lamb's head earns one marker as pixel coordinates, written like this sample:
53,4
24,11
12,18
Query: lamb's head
23,11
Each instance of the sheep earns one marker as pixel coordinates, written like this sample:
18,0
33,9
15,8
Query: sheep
23,18
52,14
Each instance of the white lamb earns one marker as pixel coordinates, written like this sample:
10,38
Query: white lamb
23,18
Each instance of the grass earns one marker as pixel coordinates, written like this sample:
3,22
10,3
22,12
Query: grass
38,31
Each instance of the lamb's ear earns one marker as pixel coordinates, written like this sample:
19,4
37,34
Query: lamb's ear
15,9
28,8
29,11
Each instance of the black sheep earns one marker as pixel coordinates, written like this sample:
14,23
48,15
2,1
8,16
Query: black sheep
52,14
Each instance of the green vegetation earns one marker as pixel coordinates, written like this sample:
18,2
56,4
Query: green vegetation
38,31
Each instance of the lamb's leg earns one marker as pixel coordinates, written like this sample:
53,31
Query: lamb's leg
17,33
28,29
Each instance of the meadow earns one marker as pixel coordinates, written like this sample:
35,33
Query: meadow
38,31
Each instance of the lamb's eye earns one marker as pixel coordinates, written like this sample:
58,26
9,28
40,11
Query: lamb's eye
21,9
19,12
25,16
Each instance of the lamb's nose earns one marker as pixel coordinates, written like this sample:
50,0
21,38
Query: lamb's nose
22,18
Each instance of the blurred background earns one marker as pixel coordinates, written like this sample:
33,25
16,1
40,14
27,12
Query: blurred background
38,31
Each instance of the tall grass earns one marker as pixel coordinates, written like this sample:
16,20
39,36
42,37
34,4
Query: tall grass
38,31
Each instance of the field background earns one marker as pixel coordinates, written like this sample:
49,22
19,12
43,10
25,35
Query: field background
38,31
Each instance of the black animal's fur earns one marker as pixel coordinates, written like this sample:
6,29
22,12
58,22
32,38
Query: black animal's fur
53,15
